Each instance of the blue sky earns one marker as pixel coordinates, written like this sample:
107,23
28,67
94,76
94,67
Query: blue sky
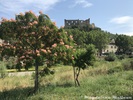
115,16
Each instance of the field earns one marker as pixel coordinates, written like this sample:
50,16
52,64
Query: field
105,80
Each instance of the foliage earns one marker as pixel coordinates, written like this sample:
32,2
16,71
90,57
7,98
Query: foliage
128,65
123,56
78,36
83,59
98,85
116,69
35,40
124,44
110,57
3,70
98,38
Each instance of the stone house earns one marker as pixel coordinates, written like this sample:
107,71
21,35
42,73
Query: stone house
111,47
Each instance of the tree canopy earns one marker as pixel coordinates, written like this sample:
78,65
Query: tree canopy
124,43
35,39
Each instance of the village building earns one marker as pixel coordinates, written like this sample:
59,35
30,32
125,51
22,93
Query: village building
111,47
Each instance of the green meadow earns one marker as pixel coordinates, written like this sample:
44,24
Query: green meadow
104,80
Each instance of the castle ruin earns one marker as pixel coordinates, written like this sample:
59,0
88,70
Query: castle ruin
78,23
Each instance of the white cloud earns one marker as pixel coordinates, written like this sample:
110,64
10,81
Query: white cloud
83,3
122,25
121,20
8,7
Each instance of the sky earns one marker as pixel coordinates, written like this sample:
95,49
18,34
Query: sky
115,16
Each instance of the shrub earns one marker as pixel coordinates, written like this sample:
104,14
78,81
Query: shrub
123,56
3,72
116,69
110,57
131,62
131,56
128,65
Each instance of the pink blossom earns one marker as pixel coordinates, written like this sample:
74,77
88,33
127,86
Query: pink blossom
21,14
37,51
72,58
49,51
35,22
22,57
54,45
40,12
62,26
61,40
55,54
38,54
62,43
71,37
31,11
67,46
54,23
66,32
43,50
30,24
33,33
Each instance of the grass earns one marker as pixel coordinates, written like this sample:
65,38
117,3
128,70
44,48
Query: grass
95,82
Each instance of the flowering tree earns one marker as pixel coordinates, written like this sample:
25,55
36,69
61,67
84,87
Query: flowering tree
34,38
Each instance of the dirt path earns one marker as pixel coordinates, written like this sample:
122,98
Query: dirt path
20,73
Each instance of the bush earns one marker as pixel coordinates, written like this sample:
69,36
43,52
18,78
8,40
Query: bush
110,57
123,56
116,69
3,72
128,65
131,56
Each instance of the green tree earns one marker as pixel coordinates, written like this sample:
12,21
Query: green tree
36,39
98,38
78,36
83,59
124,44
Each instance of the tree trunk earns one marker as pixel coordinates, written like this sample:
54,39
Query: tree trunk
36,84
76,75
36,77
